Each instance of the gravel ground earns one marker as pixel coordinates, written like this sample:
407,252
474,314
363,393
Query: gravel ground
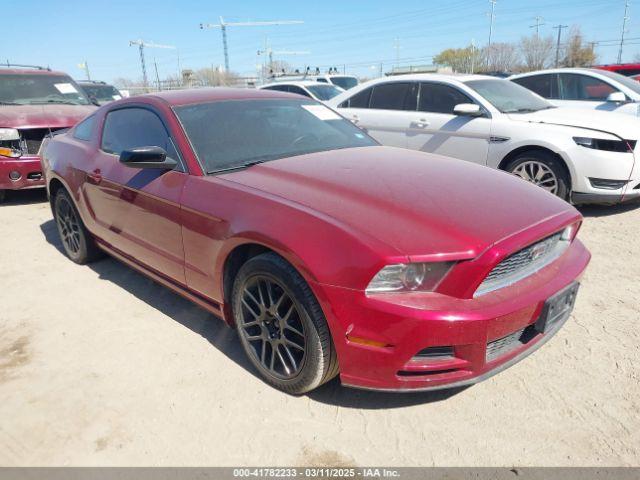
100,366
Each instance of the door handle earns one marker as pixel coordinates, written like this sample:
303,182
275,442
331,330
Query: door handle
422,123
355,119
95,176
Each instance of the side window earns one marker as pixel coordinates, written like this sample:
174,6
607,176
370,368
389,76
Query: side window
134,127
545,85
298,90
583,87
279,88
359,100
322,80
84,129
392,96
439,98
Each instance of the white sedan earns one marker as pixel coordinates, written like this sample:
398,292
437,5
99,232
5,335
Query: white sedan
494,122
316,90
584,88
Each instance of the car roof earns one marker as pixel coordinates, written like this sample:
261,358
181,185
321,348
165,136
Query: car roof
455,77
215,94
560,70
30,71
299,83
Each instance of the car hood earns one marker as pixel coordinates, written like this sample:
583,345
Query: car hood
622,125
43,116
417,203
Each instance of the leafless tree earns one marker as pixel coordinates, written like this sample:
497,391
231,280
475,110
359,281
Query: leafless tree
500,57
537,52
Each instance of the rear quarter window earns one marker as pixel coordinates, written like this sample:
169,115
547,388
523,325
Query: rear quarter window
84,129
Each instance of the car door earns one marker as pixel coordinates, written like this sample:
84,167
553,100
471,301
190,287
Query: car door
139,208
384,111
435,128
584,91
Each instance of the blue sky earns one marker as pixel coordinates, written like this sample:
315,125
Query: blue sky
356,33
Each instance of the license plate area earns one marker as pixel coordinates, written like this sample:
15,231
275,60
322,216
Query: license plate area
557,308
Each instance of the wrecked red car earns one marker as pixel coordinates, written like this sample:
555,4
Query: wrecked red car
34,102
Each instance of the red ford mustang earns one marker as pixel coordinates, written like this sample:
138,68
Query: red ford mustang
331,254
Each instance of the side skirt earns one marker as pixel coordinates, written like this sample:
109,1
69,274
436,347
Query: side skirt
210,306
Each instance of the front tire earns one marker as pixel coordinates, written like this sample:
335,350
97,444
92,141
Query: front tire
3,195
281,326
77,242
542,169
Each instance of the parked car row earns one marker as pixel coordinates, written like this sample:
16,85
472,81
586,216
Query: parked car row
500,124
331,250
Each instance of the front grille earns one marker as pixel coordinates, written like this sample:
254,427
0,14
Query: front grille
32,139
523,263
504,345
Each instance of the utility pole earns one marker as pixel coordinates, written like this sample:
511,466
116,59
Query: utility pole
141,46
624,28
537,25
559,28
492,17
473,55
223,28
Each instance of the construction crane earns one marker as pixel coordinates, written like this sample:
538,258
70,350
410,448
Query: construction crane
270,52
142,45
223,28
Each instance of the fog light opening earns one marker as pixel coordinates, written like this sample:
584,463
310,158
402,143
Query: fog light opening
14,175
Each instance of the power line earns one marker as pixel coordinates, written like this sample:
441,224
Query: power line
559,28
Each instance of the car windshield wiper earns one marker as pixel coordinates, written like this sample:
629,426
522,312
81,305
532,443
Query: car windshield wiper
63,102
521,110
11,103
250,163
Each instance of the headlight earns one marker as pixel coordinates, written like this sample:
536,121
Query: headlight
7,134
403,277
607,145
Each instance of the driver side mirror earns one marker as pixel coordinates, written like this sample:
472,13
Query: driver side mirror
467,110
617,97
147,157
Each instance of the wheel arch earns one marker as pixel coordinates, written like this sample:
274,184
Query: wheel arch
508,158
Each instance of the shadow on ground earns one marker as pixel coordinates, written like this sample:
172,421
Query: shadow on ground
608,210
218,334
24,197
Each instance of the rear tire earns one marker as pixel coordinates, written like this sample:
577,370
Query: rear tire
281,326
76,240
542,169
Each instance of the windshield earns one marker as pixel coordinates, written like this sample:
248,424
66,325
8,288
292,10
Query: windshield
345,82
630,83
40,89
234,134
508,97
324,92
102,93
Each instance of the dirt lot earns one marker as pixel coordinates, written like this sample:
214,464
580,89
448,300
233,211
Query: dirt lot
100,366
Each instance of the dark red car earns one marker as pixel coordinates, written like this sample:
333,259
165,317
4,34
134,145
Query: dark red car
329,253
33,103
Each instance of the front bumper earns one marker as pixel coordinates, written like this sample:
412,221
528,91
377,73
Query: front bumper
585,164
399,326
28,169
